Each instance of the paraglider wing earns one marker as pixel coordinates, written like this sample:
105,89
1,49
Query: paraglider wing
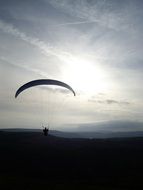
43,82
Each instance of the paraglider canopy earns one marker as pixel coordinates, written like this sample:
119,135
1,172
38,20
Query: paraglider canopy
43,82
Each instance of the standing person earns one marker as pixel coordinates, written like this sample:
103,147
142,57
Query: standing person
45,131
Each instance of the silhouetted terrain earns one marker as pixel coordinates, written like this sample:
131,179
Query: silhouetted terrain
30,160
83,134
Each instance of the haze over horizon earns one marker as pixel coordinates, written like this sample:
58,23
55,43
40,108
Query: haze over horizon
95,46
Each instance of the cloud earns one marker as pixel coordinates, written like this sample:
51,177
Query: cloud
75,23
24,67
57,90
109,14
10,29
110,102
46,49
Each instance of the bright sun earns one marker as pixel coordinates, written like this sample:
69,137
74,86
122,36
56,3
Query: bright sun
84,76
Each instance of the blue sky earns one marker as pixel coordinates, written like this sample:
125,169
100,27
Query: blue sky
95,46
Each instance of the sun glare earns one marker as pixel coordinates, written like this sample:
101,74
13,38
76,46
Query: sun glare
84,76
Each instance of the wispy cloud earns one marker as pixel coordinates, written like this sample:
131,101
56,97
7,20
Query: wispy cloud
75,23
9,28
45,48
24,67
109,102
102,12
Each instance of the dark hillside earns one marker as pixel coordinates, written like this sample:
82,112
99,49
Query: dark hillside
30,160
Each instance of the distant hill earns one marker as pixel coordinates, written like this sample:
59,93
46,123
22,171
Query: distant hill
93,134
112,126
20,130
80,134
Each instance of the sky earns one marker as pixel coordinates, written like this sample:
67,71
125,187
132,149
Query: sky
95,46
